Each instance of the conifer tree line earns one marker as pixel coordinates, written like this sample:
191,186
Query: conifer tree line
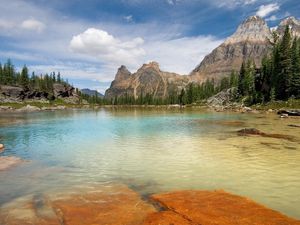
279,75
277,79
42,82
190,94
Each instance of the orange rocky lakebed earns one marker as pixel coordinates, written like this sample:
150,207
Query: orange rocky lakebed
119,205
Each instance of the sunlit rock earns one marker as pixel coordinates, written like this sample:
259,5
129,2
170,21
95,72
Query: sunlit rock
219,207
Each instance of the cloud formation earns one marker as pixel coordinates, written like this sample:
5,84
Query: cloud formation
105,47
33,24
265,10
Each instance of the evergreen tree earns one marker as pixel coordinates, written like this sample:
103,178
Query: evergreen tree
241,79
24,78
295,78
285,66
58,78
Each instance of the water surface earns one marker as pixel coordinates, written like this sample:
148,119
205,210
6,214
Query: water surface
152,151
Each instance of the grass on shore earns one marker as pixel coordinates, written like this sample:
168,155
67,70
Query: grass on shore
289,104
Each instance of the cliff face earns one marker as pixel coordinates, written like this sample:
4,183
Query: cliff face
293,23
148,79
250,41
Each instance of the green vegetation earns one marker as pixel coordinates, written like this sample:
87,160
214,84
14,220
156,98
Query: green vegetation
193,93
43,82
279,77
40,83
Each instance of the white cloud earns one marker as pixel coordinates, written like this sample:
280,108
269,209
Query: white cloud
5,24
272,18
173,2
180,55
33,24
96,53
128,18
265,10
105,47
250,2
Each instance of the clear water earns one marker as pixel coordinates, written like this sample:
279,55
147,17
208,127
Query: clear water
152,151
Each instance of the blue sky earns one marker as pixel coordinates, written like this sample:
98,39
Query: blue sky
88,40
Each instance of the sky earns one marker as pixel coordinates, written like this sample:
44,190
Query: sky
88,40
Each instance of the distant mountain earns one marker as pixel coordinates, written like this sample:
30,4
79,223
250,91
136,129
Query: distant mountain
250,41
90,92
149,79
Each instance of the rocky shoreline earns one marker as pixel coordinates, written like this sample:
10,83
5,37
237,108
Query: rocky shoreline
117,204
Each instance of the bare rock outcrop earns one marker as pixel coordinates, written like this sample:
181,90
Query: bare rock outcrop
250,41
149,79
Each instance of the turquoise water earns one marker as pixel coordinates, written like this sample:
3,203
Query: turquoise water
152,151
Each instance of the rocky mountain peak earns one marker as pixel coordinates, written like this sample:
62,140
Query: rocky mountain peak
152,64
253,29
123,73
293,23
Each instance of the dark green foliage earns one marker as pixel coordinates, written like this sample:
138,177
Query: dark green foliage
279,75
295,77
283,83
44,83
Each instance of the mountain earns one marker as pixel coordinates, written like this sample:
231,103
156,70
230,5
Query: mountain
90,92
251,41
293,23
148,79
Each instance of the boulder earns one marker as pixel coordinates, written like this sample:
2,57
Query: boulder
221,99
1,148
62,91
13,92
292,112
220,208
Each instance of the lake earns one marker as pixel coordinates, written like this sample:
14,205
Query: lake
152,151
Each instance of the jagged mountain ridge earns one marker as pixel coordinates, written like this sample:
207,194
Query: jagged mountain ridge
148,79
250,41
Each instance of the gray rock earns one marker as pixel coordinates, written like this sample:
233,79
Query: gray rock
28,108
292,112
222,99
11,92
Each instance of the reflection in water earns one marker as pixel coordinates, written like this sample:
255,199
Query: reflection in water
152,151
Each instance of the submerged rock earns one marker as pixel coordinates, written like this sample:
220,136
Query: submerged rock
119,205
8,161
292,112
114,205
247,131
219,207
254,131
294,125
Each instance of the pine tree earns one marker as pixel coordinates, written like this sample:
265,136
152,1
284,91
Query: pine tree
24,78
241,79
285,66
58,78
295,78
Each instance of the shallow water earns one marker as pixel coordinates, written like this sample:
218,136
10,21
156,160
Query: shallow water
152,151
